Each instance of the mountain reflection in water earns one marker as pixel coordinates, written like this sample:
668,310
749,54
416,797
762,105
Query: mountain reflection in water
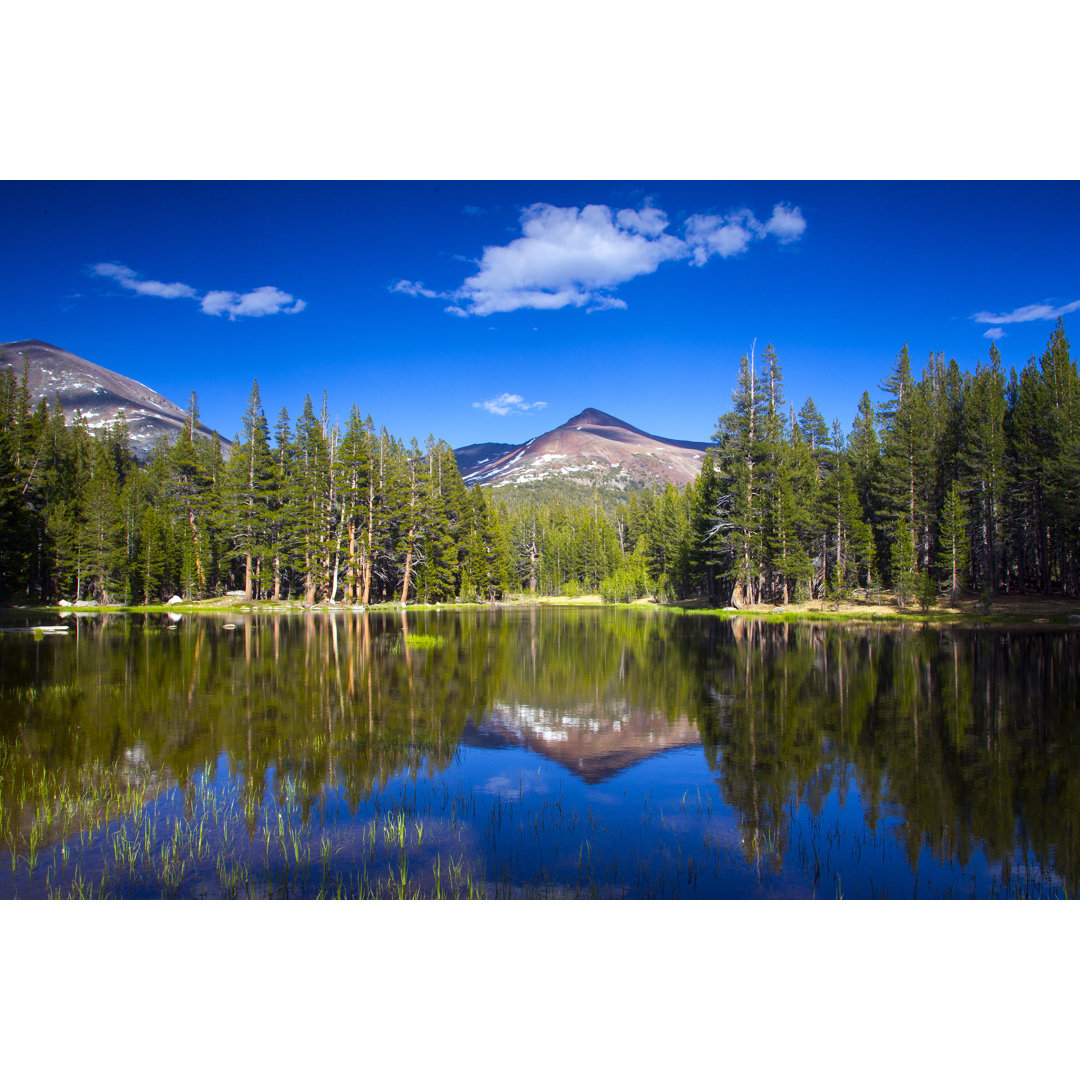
897,758
592,742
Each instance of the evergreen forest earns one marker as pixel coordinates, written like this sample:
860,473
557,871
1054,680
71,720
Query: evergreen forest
952,483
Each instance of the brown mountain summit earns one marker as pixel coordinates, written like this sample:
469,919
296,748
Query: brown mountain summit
591,448
96,392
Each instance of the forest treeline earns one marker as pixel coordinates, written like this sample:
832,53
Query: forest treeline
954,481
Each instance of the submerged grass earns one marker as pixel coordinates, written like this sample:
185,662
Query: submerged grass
220,835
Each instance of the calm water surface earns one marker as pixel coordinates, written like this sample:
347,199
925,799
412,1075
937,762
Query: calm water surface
547,752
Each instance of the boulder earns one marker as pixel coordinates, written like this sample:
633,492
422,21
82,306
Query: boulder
65,603
174,600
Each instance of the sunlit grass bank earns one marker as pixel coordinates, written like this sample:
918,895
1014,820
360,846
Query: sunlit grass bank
1004,610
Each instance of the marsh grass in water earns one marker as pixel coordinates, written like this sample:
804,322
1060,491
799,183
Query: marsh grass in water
439,841
423,641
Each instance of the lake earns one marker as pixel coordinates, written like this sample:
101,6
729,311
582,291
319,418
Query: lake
536,753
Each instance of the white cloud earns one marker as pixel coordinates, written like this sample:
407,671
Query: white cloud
1030,313
995,333
606,303
265,300
730,234
648,221
415,288
127,277
570,257
505,404
786,224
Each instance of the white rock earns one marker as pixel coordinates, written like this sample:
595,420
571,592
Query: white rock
174,600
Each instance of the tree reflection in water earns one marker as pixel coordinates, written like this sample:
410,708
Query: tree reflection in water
937,748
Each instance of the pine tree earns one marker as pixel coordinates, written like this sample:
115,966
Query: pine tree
247,492
441,514
864,450
354,460
954,549
740,436
1029,443
982,464
815,494
153,555
904,572
102,525
1061,474
414,497
312,492
907,447
709,550
281,521
189,494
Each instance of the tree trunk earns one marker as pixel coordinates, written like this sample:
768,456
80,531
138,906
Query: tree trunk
408,569
369,555
354,586
201,577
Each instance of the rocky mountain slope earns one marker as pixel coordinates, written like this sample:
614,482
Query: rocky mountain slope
98,393
592,448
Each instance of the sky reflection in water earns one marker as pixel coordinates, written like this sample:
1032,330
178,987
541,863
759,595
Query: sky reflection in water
537,753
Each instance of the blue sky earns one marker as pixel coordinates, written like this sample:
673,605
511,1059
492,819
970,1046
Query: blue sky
422,301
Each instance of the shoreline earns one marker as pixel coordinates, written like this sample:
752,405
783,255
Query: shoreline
1039,610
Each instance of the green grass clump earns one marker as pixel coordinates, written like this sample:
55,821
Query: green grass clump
423,641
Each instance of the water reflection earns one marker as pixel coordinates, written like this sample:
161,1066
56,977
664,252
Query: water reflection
957,746
593,740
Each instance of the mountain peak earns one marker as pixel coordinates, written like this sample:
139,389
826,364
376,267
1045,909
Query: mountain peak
95,393
597,418
28,343
591,449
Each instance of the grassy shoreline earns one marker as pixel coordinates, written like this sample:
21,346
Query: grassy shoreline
1055,610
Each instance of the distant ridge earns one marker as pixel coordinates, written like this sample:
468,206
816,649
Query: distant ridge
592,448
98,393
